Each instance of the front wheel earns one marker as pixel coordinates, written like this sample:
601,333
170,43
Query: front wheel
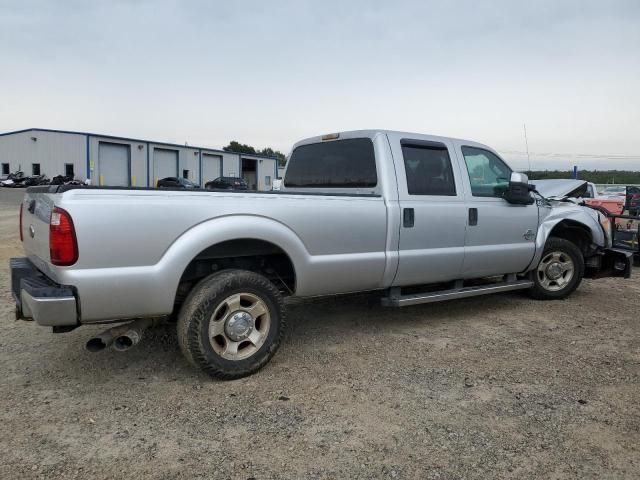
231,324
559,272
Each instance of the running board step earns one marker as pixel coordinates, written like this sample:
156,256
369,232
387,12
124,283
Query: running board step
442,295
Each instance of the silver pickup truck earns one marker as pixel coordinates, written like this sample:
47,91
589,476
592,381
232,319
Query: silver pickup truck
417,217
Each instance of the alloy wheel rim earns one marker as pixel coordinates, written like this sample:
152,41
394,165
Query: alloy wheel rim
239,326
555,271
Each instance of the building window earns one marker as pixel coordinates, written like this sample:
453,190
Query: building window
267,181
35,169
185,174
5,169
68,170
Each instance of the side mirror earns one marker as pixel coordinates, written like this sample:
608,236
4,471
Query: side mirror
519,190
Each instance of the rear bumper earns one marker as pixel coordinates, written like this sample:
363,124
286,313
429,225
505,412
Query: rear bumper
39,298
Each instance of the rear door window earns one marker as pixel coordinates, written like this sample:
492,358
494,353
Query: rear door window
428,169
348,163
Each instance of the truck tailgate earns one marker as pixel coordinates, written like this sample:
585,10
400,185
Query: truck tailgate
36,215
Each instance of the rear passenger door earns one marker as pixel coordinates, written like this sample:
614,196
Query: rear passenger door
433,214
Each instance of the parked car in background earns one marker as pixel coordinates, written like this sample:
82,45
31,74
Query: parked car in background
611,202
227,183
613,191
176,182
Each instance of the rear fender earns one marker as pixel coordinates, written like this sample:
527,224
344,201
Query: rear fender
143,291
233,227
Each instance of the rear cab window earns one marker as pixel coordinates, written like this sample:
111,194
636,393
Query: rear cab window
347,163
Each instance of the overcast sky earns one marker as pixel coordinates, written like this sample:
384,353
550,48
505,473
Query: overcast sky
271,72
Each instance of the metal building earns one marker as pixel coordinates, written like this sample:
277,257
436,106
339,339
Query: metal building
121,161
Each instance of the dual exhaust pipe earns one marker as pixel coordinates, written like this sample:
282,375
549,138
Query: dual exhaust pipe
122,337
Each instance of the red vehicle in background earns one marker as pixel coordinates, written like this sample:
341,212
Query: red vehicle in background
612,205
611,198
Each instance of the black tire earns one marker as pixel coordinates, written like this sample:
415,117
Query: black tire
205,300
566,249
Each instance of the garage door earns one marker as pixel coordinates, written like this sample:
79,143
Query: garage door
165,163
211,167
113,164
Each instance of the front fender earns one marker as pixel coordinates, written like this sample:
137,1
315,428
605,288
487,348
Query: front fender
558,213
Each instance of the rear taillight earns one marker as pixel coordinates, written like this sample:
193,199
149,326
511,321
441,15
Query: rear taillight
21,236
63,246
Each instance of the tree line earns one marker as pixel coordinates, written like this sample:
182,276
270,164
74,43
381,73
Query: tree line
621,177
238,147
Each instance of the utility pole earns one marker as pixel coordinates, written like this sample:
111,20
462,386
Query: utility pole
526,142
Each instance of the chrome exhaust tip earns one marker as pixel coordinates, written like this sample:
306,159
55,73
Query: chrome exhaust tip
105,339
132,335
96,344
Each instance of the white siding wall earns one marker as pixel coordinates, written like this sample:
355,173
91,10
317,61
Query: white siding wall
51,150
230,165
190,160
266,168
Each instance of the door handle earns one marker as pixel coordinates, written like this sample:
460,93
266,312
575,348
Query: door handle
473,216
408,217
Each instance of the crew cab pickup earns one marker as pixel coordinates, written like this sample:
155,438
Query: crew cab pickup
419,218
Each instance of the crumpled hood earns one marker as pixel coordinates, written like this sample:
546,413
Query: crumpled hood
560,188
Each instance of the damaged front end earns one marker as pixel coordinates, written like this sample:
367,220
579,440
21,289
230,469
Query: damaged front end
615,238
622,233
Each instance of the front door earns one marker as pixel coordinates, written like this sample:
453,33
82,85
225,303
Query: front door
500,236
433,214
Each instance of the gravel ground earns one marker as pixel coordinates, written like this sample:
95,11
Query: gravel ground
492,387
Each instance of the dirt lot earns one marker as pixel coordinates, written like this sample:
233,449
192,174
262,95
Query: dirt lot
494,387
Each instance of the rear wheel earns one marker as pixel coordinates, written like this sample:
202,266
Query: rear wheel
231,324
559,272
